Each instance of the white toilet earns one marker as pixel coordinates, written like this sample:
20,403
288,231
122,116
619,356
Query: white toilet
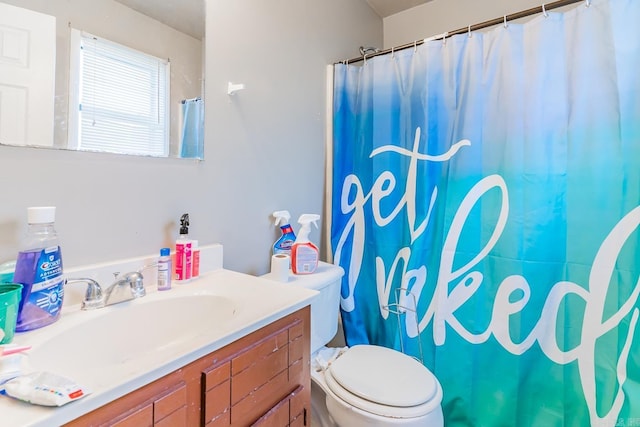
365,385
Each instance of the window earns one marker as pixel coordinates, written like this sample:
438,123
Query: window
122,100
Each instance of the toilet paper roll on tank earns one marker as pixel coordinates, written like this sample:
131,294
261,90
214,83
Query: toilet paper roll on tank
280,268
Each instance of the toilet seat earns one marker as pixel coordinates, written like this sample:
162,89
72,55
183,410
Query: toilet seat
383,381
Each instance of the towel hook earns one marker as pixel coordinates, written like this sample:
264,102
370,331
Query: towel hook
544,11
505,21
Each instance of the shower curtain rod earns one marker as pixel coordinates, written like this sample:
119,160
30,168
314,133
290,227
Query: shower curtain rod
475,27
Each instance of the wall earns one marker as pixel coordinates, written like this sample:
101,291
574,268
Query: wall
113,21
264,147
438,16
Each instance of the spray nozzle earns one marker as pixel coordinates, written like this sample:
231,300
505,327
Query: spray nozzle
305,221
184,224
282,217
308,219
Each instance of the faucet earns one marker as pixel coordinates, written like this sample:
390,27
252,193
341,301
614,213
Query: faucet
95,297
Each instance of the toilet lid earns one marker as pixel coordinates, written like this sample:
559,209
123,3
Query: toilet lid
383,376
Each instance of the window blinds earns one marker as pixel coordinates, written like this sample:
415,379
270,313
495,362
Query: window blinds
123,99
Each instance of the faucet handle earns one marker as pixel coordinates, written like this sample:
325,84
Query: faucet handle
93,297
135,280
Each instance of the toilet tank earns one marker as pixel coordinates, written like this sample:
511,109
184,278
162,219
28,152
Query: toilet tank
324,307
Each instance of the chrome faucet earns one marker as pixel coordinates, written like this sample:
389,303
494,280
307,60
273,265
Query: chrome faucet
132,284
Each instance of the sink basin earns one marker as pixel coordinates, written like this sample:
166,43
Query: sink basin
137,333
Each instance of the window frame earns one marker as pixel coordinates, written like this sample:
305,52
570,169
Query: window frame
78,39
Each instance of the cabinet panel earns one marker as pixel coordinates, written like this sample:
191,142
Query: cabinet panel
289,411
258,374
221,420
170,402
297,405
176,419
260,401
296,349
259,351
217,375
139,418
276,417
296,331
217,401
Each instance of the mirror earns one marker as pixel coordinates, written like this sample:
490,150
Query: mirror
169,30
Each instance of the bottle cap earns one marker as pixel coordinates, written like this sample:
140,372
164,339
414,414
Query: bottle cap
165,252
41,215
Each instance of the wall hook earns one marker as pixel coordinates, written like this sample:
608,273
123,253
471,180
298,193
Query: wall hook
232,88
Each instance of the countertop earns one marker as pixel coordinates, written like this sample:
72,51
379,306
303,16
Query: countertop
256,303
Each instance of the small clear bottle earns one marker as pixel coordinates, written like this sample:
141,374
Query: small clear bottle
164,270
39,270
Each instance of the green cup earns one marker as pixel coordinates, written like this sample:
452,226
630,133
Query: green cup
10,295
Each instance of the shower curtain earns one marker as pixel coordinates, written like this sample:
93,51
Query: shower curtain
192,136
485,208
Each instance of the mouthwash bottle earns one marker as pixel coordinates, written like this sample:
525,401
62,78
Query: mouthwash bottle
39,270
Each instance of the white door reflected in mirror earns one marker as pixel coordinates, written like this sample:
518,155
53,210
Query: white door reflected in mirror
27,69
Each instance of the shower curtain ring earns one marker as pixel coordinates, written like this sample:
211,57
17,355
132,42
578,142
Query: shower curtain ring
505,21
444,39
393,53
588,3
415,46
469,31
544,11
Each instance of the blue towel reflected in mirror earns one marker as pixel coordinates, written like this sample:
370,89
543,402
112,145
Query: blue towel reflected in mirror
192,135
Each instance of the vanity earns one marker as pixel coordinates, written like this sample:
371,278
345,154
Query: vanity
226,349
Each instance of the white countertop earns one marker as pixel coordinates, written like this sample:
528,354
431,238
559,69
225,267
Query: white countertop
256,303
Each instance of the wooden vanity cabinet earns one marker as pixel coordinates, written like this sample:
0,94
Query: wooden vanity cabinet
262,379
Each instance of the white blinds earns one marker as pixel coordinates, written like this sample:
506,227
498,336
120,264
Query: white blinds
123,99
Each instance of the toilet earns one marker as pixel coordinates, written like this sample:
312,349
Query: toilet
364,385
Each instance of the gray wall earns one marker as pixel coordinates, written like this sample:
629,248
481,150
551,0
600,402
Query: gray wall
264,147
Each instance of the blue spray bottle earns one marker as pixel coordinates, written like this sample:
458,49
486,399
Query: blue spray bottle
284,243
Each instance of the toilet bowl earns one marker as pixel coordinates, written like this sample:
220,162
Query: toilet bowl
375,386
365,385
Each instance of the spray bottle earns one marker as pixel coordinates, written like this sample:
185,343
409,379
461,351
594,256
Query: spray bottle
184,246
284,243
304,254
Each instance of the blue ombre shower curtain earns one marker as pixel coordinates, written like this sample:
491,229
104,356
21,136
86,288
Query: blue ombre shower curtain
487,189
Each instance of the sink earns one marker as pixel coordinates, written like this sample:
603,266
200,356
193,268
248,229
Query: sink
138,333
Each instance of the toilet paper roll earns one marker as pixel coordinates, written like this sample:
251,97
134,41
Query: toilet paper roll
280,267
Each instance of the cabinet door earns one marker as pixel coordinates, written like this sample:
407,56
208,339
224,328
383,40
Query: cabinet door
262,379
216,399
